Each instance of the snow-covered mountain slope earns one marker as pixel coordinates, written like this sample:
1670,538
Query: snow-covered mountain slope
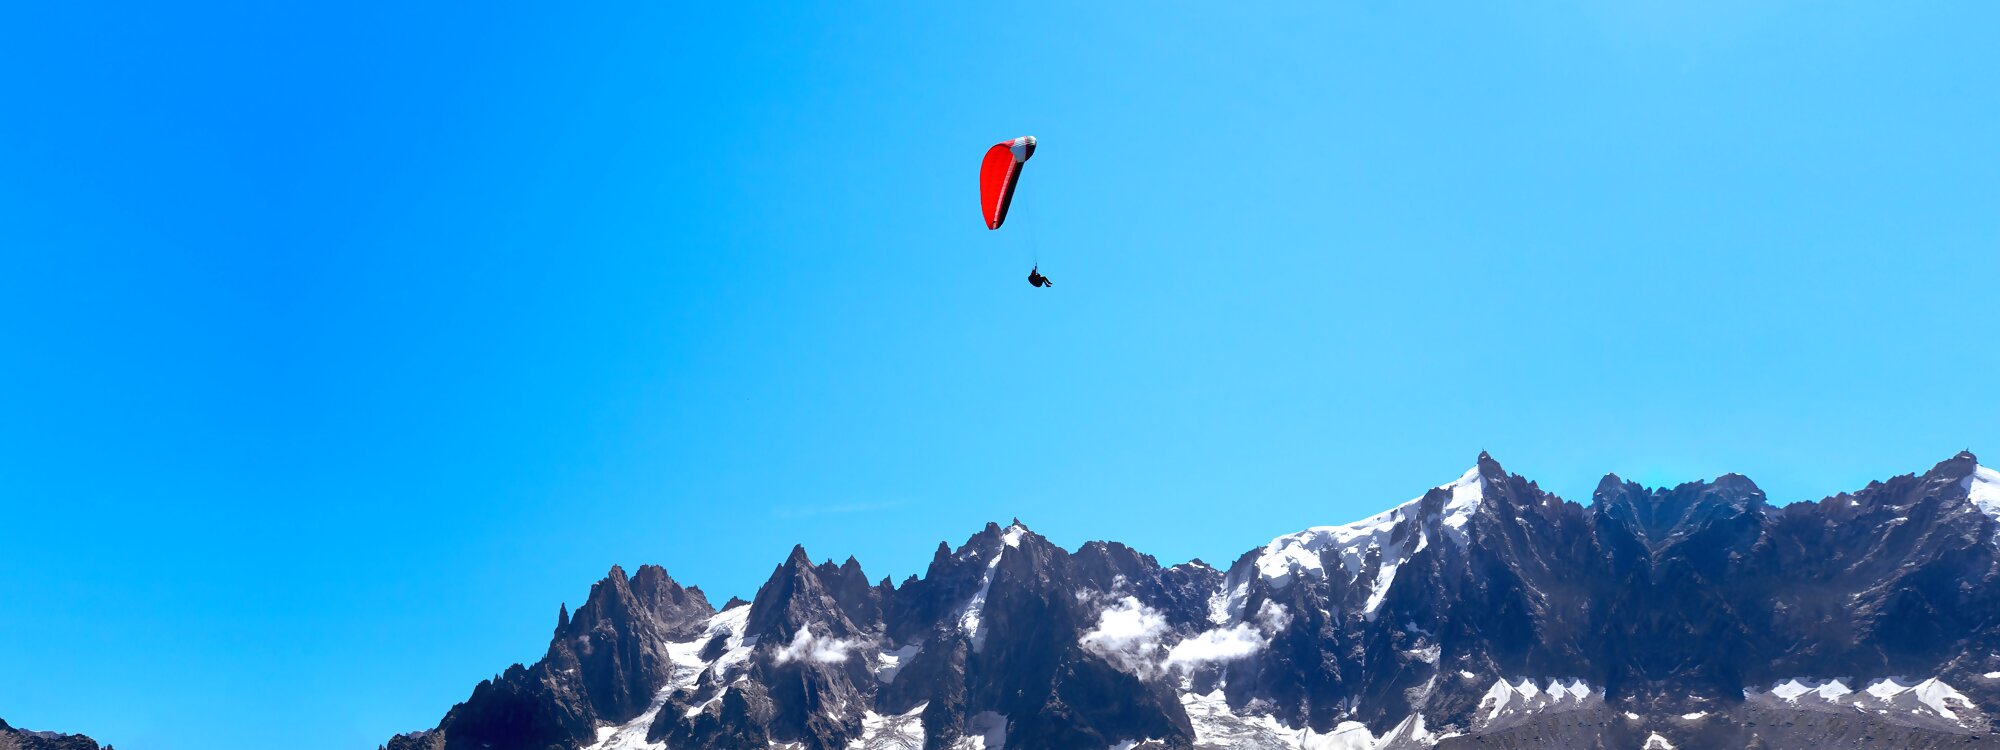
1983,487
1484,613
1375,546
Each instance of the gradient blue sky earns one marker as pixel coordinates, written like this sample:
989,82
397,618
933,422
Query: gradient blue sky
339,345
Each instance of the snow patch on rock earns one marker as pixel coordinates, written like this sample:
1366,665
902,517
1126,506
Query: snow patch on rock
890,662
1217,727
1795,689
1506,699
1933,694
688,666
736,646
1347,735
1384,577
1466,494
1983,485
1012,536
904,731
985,730
1883,696
972,619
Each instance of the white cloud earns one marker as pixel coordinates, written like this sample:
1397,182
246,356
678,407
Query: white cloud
1234,642
1131,636
1272,617
1128,635
805,646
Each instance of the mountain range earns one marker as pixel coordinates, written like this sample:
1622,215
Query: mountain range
16,738
1485,613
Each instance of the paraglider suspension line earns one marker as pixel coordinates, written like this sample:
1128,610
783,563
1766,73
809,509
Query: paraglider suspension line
1034,236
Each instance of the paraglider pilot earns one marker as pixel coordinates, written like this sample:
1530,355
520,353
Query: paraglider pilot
1036,278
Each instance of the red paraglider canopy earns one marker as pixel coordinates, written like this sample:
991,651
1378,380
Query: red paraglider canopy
999,173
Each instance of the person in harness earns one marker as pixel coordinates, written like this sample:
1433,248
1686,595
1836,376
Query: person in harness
1036,278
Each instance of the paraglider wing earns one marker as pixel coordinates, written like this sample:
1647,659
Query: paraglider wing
998,175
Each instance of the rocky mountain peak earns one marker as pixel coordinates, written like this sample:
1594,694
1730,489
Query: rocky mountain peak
1611,484
1489,468
831,599
1959,465
940,558
799,556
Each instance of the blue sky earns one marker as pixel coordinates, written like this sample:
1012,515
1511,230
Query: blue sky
339,345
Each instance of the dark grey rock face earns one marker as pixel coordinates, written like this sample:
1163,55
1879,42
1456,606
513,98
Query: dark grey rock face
1485,613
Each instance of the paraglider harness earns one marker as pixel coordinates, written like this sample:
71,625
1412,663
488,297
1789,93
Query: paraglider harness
1036,278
